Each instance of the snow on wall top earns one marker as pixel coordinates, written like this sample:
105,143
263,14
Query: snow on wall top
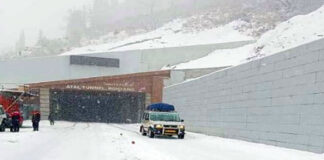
172,34
219,58
292,33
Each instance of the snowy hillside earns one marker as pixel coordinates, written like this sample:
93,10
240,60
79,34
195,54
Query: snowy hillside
294,32
172,34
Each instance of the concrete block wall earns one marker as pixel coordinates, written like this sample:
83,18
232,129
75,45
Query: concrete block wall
277,100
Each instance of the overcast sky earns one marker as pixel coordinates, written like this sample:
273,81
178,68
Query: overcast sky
31,16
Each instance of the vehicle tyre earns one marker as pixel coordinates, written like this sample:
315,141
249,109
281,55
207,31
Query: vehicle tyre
2,128
181,136
142,131
150,133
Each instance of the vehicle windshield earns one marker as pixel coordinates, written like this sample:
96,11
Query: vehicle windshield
174,117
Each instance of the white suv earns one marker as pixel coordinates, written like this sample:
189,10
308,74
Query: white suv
3,117
162,124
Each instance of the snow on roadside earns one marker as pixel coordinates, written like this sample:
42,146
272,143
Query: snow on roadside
171,34
200,146
67,140
292,33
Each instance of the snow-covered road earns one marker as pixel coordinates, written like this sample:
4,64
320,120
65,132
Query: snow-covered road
92,141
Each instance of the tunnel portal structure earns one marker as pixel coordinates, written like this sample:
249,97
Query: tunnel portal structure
110,99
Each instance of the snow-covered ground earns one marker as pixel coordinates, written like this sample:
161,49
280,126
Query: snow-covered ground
292,33
172,34
84,141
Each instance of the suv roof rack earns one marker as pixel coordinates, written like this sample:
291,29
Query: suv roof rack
161,107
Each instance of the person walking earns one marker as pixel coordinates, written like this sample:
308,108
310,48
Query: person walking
35,120
51,118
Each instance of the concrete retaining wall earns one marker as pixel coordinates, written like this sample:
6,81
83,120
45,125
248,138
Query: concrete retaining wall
277,100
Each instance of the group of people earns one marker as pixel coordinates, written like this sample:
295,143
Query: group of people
36,117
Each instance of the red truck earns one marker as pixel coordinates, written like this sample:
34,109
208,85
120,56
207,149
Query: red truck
10,101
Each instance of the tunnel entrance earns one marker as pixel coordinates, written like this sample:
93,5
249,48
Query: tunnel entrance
112,99
97,106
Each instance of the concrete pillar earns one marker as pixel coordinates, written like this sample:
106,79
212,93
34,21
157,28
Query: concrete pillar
141,106
157,89
148,99
44,95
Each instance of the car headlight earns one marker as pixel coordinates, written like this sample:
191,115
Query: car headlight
158,126
181,126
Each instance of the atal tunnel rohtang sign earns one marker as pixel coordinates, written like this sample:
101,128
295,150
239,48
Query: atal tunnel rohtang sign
119,87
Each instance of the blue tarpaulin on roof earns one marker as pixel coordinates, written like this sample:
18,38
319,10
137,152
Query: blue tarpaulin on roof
163,107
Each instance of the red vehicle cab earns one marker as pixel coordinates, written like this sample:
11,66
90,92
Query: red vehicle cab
10,100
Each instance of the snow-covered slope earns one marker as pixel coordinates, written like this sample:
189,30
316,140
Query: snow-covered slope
172,34
294,32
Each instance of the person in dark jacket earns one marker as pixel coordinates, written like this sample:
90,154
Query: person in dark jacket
35,120
51,118
15,122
